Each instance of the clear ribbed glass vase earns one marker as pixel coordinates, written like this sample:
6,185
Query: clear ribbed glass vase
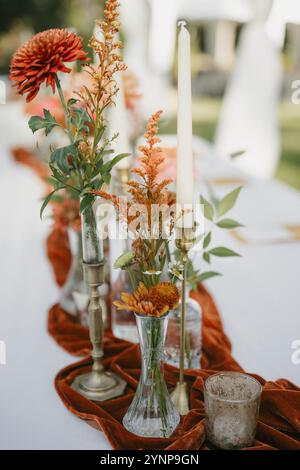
151,413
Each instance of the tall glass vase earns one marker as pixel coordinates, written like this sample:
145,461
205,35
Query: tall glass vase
123,322
92,243
74,295
193,335
151,413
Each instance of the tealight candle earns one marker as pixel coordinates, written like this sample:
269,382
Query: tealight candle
231,409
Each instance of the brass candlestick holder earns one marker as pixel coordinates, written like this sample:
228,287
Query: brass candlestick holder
184,242
97,385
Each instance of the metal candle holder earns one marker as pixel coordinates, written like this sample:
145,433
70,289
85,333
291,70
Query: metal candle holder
179,396
97,385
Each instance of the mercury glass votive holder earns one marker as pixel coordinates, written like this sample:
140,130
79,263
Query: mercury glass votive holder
231,409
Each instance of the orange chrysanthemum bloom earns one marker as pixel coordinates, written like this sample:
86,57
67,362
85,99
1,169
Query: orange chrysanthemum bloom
154,302
42,57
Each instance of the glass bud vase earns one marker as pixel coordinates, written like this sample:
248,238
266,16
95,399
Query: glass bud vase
193,335
151,413
92,242
74,295
123,321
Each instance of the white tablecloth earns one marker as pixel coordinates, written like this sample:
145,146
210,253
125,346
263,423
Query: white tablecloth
258,297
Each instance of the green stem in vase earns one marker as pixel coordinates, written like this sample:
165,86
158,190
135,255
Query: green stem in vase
69,124
66,109
156,340
90,237
132,278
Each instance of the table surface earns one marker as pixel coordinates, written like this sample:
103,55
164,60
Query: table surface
258,297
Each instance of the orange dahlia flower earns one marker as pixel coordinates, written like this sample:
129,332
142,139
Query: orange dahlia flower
153,301
42,57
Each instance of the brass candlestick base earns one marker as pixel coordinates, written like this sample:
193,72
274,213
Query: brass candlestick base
180,398
97,385
184,242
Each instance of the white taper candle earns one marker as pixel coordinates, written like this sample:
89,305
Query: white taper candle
185,178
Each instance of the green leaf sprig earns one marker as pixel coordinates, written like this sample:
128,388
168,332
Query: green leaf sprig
213,210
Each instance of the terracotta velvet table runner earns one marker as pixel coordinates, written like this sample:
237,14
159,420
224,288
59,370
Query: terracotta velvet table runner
279,419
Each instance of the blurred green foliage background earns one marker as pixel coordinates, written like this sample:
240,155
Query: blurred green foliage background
21,18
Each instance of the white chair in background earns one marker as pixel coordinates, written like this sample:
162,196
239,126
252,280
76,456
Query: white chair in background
150,28
164,16
248,118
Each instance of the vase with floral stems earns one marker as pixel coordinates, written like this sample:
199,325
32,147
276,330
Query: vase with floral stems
193,334
151,413
80,167
214,210
74,294
122,322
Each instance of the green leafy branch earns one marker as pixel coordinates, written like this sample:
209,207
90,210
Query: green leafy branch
79,167
214,211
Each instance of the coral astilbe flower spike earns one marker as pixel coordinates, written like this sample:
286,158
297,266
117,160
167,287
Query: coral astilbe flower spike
42,57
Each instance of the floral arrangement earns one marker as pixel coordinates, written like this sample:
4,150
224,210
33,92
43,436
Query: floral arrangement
146,261
80,166
151,298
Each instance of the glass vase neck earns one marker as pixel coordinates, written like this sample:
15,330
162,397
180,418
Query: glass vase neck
92,242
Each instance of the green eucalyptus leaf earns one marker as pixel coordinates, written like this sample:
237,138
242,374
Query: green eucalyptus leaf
208,209
48,122
207,275
46,202
207,240
107,167
86,201
206,257
228,201
99,134
228,224
71,102
80,119
60,158
222,252
106,177
97,184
